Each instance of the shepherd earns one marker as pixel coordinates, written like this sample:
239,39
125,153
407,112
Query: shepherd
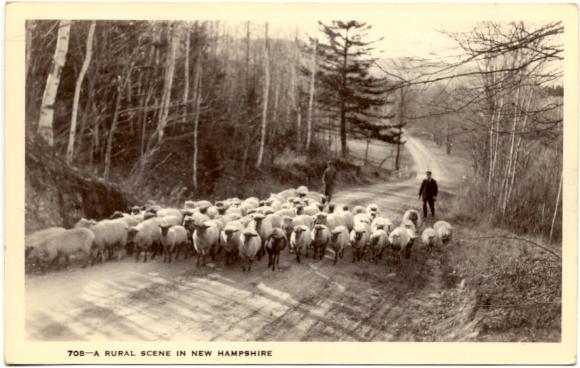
328,180
428,192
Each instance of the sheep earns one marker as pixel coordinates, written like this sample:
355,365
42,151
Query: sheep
170,212
232,240
144,237
274,245
361,218
264,228
378,242
358,209
288,193
414,216
300,240
290,212
205,239
251,202
234,210
311,210
212,212
190,205
63,244
331,220
331,208
382,223
409,224
316,197
359,238
250,245
246,220
339,240
302,191
444,231
275,203
173,238
372,210
428,237
109,235
346,218
400,242
321,238
276,220
35,239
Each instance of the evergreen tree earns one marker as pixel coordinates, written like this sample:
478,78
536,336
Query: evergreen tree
347,85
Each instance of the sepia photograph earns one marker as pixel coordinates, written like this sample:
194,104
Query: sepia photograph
293,179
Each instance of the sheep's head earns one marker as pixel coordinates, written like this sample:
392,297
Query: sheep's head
135,210
249,234
268,211
334,234
202,227
164,228
380,226
149,214
320,218
230,233
331,207
131,233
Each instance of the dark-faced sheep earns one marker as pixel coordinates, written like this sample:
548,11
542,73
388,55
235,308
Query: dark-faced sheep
275,244
321,239
377,243
444,231
173,239
339,240
429,237
359,239
205,239
414,216
232,240
300,240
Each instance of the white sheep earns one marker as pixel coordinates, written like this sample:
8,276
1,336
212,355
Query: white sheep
232,240
429,237
444,231
170,212
264,228
251,243
35,239
63,244
339,240
173,238
400,242
372,210
382,223
346,218
205,240
311,210
145,237
288,193
300,240
361,218
110,236
276,220
377,243
358,209
414,216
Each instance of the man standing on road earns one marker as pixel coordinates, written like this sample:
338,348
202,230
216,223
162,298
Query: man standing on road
328,180
428,192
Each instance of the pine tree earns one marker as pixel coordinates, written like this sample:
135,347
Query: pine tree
347,85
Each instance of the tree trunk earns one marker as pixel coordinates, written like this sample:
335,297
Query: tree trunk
29,32
265,97
197,99
186,73
556,206
367,150
312,92
398,151
343,146
112,132
78,86
167,85
45,120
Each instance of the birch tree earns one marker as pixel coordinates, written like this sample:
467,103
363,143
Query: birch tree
80,79
311,95
168,83
265,97
46,118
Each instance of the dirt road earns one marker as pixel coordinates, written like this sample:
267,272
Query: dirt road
312,301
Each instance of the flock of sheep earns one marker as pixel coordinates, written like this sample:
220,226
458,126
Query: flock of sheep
244,230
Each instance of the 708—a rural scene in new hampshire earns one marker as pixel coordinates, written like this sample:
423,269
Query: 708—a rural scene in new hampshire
260,181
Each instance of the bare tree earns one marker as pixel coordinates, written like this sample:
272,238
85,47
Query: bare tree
80,79
265,97
311,95
45,121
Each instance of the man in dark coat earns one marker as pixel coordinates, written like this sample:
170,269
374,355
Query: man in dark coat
428,192
328,180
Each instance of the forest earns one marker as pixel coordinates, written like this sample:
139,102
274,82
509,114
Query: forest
171,110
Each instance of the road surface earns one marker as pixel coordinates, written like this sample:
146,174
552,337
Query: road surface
311,301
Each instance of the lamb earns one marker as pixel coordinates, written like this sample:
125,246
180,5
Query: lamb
63,244
275,244
251,243
205,239
444,231
428,238
359,238
232,240
400,242
321,238
414,216
338,241
378,242
382,223
173,238
300,240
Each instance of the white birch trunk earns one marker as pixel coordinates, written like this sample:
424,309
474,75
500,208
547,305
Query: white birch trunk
186,72
556,206
265,98
167,85
78,86
312,93
48,98
197,99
